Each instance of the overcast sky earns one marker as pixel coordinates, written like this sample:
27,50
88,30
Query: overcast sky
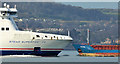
60,0
108,5
87,0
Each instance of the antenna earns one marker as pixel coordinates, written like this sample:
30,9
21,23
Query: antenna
5,4
8,6
68,33
15,6
88,35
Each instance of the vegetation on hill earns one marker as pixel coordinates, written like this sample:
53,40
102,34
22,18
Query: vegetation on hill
60,11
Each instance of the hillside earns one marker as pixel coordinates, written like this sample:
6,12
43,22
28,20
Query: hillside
53,16
60,11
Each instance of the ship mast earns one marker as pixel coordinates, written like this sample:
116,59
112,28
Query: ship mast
68,33
88,36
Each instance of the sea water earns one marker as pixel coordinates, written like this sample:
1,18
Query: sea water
64,56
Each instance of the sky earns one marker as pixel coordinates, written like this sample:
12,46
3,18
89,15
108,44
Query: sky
111,4
107,5
87,0
60,0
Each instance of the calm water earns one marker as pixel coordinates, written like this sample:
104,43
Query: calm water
64,56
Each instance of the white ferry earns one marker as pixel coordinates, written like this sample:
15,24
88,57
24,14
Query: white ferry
16,42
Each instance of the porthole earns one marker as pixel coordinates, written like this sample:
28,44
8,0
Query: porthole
7,29
2,29
37,36
46,36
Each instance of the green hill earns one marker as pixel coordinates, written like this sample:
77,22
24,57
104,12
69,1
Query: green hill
60,11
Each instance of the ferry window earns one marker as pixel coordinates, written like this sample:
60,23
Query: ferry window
2,28
33,38
12,13
46,36
54,36
3,14
3,11
37,36
7,28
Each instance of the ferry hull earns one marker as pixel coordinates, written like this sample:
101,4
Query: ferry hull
40,53
47,47
50,48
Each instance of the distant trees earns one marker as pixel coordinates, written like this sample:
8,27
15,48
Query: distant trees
59,11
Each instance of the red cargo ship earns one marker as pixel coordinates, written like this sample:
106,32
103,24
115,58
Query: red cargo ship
103,46
106,49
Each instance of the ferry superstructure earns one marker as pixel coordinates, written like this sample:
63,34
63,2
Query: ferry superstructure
16,42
